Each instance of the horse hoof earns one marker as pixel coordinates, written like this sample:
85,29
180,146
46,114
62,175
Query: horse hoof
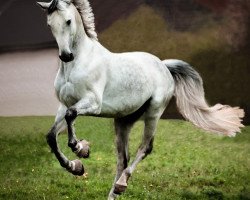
76,168
82,149
119,188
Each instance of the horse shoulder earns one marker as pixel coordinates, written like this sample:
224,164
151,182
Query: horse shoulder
89,78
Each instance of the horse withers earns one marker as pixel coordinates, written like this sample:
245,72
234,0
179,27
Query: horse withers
92,81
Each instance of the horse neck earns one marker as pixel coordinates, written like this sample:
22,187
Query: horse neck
81,42
84,46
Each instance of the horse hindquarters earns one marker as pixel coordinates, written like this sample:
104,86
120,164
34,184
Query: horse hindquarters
189,93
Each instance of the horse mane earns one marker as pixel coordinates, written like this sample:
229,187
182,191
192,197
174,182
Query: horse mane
53,6
87,16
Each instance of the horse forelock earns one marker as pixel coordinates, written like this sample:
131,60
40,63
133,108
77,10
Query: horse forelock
85,11
53,6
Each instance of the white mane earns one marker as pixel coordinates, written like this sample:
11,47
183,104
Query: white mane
87,16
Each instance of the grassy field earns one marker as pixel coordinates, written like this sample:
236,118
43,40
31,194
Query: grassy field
186,163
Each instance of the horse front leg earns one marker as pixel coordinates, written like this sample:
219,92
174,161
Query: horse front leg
83,107
58,127
79,147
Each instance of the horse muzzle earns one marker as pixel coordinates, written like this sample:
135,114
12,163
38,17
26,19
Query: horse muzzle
66,57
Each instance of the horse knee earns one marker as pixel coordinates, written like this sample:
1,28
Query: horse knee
70,115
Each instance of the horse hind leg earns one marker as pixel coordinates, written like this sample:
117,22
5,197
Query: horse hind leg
122,130
151,118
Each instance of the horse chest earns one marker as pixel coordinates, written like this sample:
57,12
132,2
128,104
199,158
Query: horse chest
66,93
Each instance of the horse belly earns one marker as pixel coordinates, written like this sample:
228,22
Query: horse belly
124,100
119,107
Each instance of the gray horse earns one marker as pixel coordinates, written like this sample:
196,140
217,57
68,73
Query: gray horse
92,81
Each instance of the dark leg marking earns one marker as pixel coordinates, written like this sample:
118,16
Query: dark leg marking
52,142
70,116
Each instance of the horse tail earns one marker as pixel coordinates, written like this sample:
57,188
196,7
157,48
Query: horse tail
190,100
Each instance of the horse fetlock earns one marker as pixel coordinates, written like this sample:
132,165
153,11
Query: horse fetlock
82,149
73,145
76,168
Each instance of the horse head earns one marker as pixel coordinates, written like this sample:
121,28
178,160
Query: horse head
62,20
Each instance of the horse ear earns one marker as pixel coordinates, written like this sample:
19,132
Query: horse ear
68,1
43,5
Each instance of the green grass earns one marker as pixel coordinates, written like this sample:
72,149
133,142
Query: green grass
186,163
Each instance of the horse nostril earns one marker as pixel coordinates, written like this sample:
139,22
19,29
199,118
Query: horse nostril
71,56
66,57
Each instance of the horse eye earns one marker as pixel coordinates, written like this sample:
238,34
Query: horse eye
68,22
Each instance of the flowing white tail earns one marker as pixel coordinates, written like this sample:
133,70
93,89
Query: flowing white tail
190,100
